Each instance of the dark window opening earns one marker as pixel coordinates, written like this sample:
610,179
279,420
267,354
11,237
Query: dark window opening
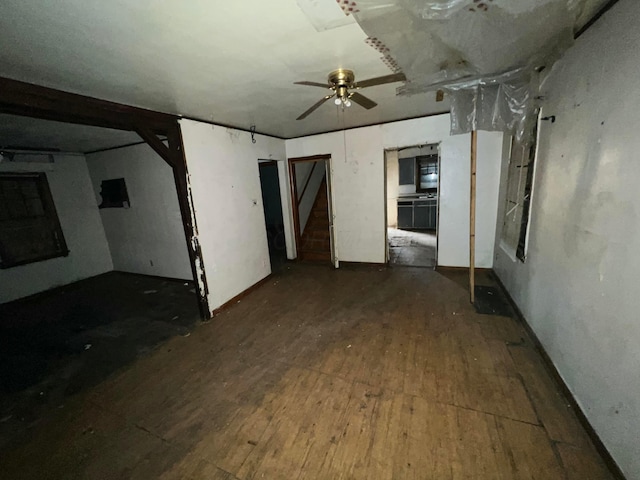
29,227
519,192
114,194
427,174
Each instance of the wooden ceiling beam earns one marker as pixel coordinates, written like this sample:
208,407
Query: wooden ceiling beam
158,145
26,99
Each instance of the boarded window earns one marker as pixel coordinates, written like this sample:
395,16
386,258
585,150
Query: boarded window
29,226
518,200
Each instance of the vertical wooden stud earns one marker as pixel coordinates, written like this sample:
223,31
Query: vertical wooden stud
472,218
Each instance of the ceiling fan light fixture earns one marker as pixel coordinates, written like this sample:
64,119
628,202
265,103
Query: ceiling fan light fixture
343,101
340,81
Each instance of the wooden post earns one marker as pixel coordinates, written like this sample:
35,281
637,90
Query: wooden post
472,218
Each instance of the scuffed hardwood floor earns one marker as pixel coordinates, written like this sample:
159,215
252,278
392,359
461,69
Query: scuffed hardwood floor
360,373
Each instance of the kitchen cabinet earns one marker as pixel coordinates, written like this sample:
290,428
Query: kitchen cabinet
418,214
405,214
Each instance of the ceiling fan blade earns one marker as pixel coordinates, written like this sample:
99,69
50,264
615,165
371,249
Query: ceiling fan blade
394,77
315,106
362,100
312,84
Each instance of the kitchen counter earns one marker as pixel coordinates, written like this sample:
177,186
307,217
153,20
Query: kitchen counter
405,198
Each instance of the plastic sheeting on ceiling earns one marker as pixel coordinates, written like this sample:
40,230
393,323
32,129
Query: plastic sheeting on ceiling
485,53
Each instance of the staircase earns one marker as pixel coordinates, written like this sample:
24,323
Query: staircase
315,241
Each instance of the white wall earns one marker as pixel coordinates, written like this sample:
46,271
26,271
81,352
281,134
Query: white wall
225,185
77,210
358,187
579,286
148,237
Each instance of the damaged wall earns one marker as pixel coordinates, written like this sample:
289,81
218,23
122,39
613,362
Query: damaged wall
77,210
225,183
578,287
358,186
148,237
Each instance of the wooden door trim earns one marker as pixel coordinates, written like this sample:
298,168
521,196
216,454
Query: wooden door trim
297,235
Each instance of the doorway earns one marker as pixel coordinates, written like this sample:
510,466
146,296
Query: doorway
272,204
412,203
311,208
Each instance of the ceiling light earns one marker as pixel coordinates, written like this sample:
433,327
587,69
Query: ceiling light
337,101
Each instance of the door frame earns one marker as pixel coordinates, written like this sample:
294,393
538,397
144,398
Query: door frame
386,227
272,163
297,234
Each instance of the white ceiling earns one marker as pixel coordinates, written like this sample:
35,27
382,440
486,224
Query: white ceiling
228,62
231,62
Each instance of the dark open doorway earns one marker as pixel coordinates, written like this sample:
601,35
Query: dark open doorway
272,204
412,196
311,208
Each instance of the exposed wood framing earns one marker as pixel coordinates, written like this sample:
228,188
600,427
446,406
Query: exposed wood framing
24,99
30,100
472,218
158,145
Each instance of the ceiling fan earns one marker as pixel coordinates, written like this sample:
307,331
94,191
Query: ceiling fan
342,82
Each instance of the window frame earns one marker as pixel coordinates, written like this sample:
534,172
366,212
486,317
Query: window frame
520,249
416,170
48,205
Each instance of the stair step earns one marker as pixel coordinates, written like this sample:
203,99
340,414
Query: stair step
316,256
316,244
317,224
316,235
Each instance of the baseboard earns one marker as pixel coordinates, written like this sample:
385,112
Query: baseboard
441,268
551,368
363,264
240,296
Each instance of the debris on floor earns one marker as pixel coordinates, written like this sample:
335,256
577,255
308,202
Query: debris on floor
491,301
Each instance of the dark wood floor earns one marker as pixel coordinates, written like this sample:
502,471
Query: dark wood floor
360,373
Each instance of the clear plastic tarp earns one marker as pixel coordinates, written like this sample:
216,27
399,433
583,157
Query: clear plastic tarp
485,53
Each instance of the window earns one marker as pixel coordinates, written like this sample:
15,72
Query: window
29,226
518,200
114,194
427,173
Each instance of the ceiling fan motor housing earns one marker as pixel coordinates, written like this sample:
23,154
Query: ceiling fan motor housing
342,78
